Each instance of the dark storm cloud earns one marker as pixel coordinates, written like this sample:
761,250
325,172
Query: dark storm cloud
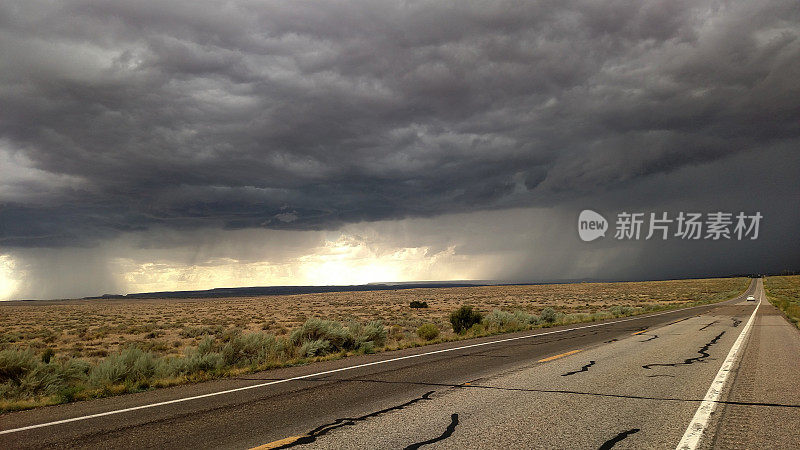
310,115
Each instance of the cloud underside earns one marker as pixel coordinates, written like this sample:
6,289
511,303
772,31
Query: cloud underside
520,244
122,117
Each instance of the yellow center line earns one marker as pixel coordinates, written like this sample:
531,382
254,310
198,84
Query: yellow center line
676,321
560,356
639,332
280,442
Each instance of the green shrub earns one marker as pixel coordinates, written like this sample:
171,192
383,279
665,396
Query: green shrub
229,334
549,315
323,330
418,304
15,364
130,366
314,348
523,317
47,355
338,338
622,310
584,317
479,329
372,334
43,379
464,318
206,346
601,315
575,318
367,347
505,321
23,375
194,362
250,349
428,331
499,318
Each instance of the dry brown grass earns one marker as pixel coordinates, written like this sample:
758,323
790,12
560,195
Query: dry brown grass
784,292
92,329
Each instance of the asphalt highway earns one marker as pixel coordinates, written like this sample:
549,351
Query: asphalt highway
639,382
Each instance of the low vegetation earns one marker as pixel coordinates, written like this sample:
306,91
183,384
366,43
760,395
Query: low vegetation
784,293
43,361
25,377
464,318
428,331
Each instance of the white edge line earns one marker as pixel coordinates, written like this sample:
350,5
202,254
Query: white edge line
699,424
326,372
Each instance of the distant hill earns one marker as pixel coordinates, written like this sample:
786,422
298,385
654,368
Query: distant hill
375,286
286,290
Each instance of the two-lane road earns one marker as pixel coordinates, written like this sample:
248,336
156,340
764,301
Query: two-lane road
634,382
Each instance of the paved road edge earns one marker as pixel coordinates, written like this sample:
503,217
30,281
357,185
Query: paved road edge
699,424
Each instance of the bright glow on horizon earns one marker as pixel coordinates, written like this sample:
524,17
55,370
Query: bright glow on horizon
345,260
8,283
349,261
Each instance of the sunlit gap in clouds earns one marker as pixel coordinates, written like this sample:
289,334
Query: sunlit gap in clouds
343,261
350,261
529,244
340,259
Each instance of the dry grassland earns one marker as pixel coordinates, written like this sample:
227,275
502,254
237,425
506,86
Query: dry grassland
92,329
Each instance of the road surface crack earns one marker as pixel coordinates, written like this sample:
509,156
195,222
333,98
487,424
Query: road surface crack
321,430
570,392
703,355
708,325
582,369
613,441
447,433
655,336
736,322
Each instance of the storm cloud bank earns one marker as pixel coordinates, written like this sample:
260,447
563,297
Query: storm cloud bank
119,118
308,115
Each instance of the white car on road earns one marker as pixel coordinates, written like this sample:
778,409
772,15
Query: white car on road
750,298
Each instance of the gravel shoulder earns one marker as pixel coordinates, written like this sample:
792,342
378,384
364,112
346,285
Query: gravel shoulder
763,402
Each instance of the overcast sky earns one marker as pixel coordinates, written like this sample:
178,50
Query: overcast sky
151,145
